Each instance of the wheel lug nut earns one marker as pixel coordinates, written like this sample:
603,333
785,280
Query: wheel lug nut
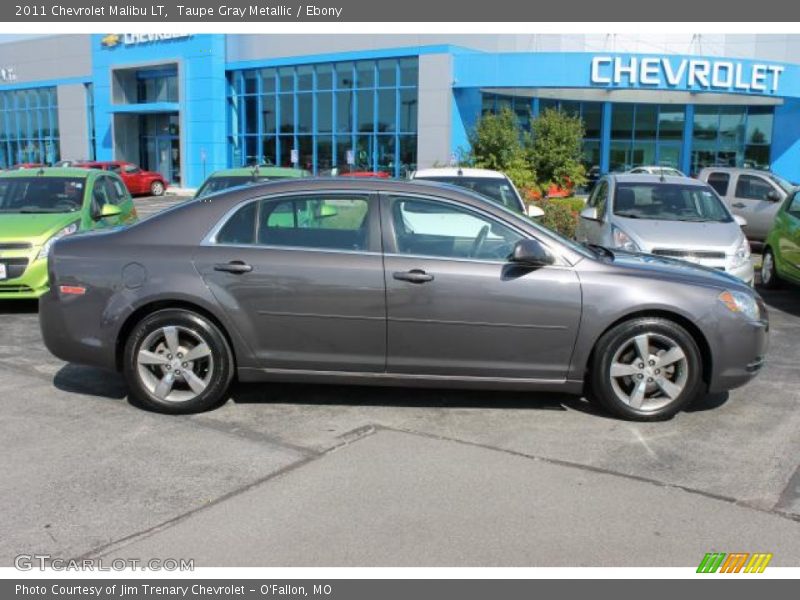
652,362
177,372
184,365
658,371
640,376
641,365
180,355
169,356
650,379
168,367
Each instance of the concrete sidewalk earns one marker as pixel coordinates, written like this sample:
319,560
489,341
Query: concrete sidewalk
403,499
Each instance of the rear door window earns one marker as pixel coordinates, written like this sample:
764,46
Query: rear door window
719,181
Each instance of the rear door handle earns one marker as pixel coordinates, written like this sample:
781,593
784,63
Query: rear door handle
738,205
413,276
235,266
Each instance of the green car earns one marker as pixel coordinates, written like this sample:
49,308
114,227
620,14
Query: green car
228,178
39,206
781,256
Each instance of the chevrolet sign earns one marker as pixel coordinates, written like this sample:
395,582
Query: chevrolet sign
113,40
693,73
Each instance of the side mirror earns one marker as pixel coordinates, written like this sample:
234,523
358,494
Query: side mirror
109,210
773,196
590,213
740,221
533,211
531,253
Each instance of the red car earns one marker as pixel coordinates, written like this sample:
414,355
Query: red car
136,179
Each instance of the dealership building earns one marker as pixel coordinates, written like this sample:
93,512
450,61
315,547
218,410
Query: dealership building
187,105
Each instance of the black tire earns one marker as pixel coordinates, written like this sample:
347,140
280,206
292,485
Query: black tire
618,345
215,368
769,274
157,188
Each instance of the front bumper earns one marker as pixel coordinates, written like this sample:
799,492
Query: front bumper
32,284
740,353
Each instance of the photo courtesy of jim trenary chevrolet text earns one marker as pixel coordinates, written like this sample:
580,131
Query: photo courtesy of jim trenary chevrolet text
387,300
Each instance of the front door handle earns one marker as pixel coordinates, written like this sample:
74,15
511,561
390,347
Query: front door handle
235,266
413,276
738,205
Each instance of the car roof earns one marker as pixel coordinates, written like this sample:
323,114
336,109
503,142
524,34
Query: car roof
738,170
648,178
262,171
458,172
48,172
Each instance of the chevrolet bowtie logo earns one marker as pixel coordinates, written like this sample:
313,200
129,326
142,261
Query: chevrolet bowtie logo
109,41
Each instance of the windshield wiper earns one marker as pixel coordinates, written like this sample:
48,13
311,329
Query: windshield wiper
28,211
628,215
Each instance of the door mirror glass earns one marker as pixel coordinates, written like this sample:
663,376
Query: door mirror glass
773,196
109,210
741,221
531,253
590,213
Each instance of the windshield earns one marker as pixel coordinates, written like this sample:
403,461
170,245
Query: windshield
496,189
785,185
669,202
217,184
41,194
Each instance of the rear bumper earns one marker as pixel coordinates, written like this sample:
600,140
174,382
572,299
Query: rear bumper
63,321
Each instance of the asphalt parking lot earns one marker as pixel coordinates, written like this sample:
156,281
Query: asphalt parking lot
302,475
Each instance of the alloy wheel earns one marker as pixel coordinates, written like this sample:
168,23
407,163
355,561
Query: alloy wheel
175,364
649,371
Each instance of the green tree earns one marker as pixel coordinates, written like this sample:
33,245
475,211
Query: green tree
554,150
498,143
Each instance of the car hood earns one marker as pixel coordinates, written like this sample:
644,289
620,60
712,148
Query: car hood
683,235
681,271
33,228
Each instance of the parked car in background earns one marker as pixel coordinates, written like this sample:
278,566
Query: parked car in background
657,170
39,207
368,174
781,254
492,184
228,178
674,217
26,165
235,288
137,180
752,194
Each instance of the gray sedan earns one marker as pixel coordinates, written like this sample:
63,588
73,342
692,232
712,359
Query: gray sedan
391,283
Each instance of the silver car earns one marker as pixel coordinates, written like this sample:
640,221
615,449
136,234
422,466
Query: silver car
751,194
673,217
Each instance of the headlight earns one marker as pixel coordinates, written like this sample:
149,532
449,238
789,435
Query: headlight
741,302
622,240
71,228
742,253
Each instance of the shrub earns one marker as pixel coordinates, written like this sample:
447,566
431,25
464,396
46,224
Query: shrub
560,214
498,143
554,150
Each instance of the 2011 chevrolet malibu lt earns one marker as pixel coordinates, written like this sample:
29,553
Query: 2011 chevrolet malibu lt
391,283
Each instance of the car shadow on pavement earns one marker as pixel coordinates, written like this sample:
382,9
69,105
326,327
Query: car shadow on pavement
785,299
17,307
353,395
90,381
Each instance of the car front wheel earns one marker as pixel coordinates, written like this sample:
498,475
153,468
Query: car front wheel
178,362
646,369
769,275
157,188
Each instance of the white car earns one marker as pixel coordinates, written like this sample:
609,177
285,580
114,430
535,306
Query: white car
656,170
494,185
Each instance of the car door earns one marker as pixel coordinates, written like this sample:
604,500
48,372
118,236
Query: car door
130,181
789,240
98,199
457,307
757,200
595,231
301,277
720,181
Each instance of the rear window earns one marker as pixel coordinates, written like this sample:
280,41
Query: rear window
496,189
41,194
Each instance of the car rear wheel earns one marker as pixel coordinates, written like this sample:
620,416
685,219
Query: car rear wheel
646,369
157,188
177,362
769,275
